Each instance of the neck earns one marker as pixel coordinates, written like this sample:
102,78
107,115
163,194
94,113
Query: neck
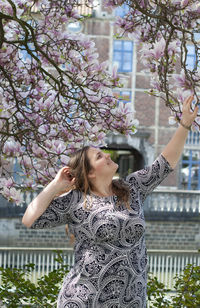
102,189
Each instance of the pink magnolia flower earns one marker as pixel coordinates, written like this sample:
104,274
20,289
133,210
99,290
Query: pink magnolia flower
12,148
184,3
64,159
182,81
13,195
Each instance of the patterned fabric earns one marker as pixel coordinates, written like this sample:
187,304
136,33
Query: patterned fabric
110,267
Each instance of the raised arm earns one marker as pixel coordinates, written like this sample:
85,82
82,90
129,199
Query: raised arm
174,148
37,207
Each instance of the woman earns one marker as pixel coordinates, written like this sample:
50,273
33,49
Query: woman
106,218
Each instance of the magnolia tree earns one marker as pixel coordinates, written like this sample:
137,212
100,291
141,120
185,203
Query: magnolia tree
166,30
56,96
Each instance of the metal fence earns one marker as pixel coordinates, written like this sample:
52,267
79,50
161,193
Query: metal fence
164,264
43,258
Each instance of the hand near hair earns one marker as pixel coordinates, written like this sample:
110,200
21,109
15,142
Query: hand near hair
61,184
63,180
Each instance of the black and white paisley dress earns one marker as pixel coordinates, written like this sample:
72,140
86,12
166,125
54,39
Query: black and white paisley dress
110,269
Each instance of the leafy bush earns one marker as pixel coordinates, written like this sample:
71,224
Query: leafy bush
188,288
18,291
157,293
185,295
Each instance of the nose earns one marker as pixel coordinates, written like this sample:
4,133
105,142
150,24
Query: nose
107,155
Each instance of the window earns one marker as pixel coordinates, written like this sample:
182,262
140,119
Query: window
123,96
75,27
122,55
190,170
122,10
191,56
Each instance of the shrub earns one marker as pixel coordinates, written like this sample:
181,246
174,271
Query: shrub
17,290
185,295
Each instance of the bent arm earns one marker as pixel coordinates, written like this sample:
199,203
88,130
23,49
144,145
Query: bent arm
38,206
62,182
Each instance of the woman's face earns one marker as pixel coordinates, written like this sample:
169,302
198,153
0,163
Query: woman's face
101,163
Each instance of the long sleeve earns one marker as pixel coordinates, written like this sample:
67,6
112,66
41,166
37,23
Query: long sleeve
58,212
146,180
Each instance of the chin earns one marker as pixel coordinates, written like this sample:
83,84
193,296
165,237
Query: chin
116,166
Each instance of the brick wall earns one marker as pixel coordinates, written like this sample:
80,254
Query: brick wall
14,234
159,235
172,235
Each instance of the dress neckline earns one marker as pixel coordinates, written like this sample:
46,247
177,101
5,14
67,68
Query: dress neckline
102,197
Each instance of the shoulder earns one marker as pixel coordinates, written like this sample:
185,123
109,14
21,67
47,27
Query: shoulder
70,197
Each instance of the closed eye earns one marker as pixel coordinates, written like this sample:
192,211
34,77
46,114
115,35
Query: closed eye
99,155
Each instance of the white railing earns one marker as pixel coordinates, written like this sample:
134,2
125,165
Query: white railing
43,258
160,200
166,200
164,264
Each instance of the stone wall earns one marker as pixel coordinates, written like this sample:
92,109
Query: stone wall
160,234
173,235
14,234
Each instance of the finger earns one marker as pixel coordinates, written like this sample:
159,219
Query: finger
73,181
189,103
66,171
68,174
188,100
195,112
65,168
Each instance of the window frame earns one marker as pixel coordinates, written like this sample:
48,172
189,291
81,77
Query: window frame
123,53
190,164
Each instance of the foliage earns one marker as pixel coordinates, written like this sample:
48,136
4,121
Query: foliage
55,96
113,154
186,294
166,31
188,288
17,290
157,292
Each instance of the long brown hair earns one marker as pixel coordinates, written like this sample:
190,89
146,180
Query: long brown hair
80,167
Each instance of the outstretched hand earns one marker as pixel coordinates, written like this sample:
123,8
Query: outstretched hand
188,116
